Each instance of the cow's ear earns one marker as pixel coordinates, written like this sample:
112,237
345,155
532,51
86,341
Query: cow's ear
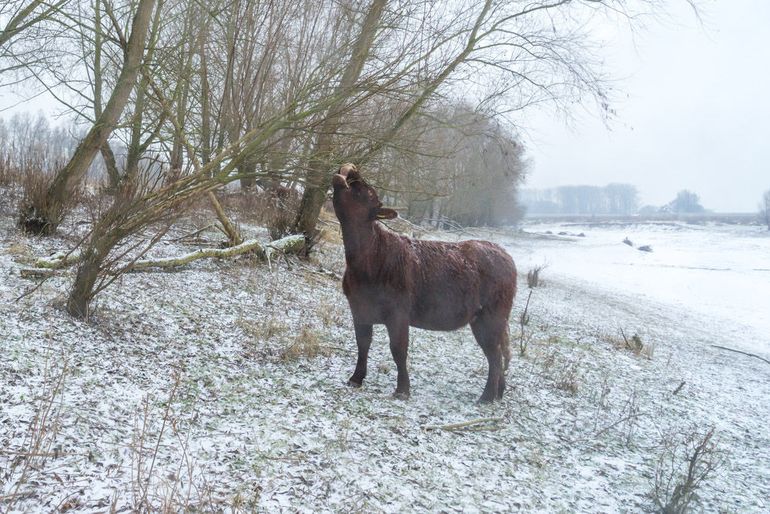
383,213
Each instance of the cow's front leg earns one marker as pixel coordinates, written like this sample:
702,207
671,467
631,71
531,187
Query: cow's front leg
398,332
363,341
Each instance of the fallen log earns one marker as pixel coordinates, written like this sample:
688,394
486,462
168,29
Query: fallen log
58,260
294,244
37,272
288,245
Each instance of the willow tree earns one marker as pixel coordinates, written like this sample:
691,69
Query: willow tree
318,178
475,33
45,217
500,55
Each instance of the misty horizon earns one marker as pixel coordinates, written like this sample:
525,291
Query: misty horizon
525,193
692,112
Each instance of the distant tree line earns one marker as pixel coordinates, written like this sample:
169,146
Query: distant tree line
612,199
455,167
686,202
30,142
620,199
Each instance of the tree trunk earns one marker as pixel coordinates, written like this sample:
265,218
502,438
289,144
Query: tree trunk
88,272
181,94
231,231
111,165
248,169
106,233
107,154
204,99
319,178
134,153
70,176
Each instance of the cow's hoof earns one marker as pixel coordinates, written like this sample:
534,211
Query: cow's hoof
486,399
352,382
400,395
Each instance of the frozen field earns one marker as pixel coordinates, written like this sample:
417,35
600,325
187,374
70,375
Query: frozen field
220,388
717,273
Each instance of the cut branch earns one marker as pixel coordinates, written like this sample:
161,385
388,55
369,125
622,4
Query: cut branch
59,260
473,424
37,272
741,352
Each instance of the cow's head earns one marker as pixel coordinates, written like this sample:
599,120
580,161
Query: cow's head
356,201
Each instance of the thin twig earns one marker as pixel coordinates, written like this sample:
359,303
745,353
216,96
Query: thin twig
193,234
741,352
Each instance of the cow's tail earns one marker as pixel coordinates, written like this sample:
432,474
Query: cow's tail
505,348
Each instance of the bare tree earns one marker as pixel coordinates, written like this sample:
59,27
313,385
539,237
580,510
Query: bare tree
23,17
318,177
686,202
45,218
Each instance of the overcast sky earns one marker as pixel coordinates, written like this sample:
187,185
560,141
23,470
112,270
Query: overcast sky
696,115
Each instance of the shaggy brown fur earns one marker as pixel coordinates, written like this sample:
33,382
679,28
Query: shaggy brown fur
402,282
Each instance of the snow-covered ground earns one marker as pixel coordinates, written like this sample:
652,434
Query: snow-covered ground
221,387
717,272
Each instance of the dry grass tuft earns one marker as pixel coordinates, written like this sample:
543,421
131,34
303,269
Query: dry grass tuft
10,175
34,216
533,276
568,377
262,333
306,345
633,344
330,315
21,253
37,215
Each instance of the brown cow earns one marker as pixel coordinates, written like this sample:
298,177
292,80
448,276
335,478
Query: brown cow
402,282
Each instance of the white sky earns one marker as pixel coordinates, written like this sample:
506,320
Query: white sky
697,114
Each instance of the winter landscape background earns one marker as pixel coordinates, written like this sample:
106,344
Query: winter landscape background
220,386
173,333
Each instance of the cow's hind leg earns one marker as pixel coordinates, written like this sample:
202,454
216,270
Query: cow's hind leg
398,331
491,333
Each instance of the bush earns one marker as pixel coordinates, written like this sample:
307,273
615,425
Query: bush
682,468
35,212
